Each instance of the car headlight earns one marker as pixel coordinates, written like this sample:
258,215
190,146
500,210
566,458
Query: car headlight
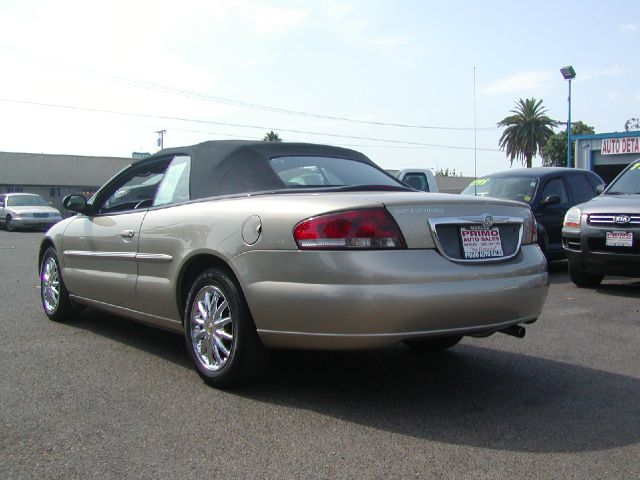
572,218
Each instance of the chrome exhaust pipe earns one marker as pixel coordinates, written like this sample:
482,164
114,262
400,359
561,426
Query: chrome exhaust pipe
515,331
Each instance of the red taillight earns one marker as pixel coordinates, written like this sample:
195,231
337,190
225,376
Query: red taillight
356,229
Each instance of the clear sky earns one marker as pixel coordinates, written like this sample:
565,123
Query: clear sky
99,78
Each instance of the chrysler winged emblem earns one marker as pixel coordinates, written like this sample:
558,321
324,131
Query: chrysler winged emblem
622,219
487,221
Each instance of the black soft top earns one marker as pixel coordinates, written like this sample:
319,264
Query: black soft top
224,167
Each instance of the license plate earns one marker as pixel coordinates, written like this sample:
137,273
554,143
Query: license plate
619,239
481,242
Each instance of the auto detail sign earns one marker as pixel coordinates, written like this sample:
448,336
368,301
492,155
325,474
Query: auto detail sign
619,146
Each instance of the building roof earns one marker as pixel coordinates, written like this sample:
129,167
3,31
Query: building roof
58,170
594,136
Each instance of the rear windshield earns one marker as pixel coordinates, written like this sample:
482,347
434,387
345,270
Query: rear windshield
522,188
25,201
628,183
314,172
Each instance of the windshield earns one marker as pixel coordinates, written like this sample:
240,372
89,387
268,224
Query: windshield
314,172
25,201
628,183
522,189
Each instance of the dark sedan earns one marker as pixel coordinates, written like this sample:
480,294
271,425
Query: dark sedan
549,191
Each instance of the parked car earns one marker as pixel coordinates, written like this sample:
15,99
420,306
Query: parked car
549,191
26,210
602,236
246,246
416,178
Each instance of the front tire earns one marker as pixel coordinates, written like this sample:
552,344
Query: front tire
220,335
582,278
8,224
53,292
433,345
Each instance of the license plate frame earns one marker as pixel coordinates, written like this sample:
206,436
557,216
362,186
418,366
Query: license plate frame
619,238
480,242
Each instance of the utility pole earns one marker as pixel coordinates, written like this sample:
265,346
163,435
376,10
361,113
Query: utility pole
161,138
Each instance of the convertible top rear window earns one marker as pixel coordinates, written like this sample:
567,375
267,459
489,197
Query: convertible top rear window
316,171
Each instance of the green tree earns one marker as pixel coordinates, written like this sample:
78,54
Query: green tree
272,137
554,152
527,130
632,125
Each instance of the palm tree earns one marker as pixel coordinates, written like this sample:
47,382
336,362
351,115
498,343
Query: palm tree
528,129
272,137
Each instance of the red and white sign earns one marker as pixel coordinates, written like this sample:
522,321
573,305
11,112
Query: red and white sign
619,239
481,242
619,146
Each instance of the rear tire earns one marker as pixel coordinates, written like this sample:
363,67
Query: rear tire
220,335
582,278
433,345
53,292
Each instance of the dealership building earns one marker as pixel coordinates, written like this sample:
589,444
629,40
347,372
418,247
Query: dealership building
55,176
606,153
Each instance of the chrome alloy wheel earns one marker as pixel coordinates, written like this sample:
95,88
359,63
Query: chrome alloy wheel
50,285
211,328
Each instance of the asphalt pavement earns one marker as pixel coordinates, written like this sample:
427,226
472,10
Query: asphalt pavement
105,397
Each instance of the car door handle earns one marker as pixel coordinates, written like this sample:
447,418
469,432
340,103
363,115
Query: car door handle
127,234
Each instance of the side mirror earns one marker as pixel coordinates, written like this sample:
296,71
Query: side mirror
76,203
550,200
600,188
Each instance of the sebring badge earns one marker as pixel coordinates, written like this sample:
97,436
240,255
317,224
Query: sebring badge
622,219
487,221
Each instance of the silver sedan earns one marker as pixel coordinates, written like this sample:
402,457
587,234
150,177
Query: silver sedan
26,210
247,246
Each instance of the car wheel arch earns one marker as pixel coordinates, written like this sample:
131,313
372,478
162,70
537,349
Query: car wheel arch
192,268
44,245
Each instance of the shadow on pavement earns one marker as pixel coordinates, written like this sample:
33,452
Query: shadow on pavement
469,396
621,286
627,287
167,345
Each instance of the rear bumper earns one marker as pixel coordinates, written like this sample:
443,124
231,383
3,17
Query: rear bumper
369,299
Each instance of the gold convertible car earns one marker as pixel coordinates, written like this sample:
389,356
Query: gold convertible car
246,246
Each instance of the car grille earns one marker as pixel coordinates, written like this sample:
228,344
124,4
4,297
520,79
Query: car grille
446,233
40,215
609,219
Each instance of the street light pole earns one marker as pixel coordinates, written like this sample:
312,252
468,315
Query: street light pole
161,138
569,74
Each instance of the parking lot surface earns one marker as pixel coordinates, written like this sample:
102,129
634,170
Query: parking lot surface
109,398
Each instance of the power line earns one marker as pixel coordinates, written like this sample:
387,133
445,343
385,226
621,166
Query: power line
238,125
147,85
